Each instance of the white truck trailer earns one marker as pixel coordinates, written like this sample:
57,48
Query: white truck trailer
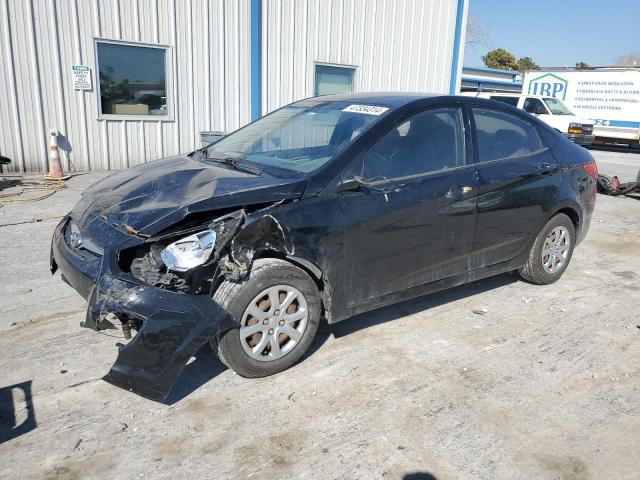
609,96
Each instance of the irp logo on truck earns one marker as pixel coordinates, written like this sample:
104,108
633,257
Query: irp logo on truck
548,85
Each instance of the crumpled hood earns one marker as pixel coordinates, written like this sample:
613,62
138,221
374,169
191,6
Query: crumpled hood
153,196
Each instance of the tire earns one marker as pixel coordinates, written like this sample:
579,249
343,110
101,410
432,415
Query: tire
551,269
267,276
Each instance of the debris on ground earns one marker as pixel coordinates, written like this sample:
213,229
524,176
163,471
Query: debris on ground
610,185
43,187
481,311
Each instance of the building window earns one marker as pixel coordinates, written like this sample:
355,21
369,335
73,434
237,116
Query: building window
132,79
332,79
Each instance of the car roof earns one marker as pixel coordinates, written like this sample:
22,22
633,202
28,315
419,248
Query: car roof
394,100
505,94
389,99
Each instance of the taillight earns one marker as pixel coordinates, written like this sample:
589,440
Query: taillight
591,169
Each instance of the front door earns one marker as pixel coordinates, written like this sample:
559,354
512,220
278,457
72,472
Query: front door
413,220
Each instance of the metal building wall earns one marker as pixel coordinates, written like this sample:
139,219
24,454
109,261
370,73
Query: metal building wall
41,39
397,45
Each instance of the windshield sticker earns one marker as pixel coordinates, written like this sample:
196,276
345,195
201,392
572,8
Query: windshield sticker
366,109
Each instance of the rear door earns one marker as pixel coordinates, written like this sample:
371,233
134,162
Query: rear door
413,222
518,180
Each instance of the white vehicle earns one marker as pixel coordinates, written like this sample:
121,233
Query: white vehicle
550,110
611,96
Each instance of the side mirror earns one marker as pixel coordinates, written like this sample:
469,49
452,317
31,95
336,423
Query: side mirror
352,184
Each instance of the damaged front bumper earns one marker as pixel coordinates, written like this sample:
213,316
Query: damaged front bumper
173,325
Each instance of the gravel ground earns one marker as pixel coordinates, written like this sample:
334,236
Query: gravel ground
544,384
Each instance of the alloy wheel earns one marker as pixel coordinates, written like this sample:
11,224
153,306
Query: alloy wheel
273,323
555,250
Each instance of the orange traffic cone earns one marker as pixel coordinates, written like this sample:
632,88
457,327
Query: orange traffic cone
55,167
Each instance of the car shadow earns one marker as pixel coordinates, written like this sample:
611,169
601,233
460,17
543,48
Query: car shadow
419,304
17,415
206,365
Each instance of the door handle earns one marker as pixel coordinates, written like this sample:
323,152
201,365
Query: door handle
457,193
545,168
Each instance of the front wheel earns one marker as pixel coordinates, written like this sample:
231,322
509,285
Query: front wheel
278,310
551,252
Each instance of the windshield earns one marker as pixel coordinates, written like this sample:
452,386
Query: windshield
557,107
300,137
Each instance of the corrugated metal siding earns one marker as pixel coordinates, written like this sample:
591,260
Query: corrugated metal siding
394,45
399,45
41,39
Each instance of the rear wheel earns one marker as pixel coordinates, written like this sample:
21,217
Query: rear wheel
278,310
551,251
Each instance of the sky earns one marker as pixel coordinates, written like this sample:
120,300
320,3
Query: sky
558,32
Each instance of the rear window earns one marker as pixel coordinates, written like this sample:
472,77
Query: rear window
500,135
513,101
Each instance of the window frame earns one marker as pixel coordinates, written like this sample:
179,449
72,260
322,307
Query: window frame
474,133
168,67
466,142
353,68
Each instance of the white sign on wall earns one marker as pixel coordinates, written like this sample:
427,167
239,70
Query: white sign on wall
81,76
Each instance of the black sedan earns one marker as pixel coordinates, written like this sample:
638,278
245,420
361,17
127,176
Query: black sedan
328,207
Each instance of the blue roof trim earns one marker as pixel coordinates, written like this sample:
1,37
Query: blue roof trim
256,53
490,82
455,61
491,70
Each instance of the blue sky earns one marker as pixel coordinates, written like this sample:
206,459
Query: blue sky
559,32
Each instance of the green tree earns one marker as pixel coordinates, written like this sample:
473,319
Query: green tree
582,66
526,64
500,59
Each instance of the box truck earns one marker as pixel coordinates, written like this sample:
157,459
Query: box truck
609,96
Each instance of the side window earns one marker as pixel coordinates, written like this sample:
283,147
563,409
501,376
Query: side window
534,106
513,101
500,135
427,142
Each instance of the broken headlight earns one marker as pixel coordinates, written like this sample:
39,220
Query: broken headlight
189,252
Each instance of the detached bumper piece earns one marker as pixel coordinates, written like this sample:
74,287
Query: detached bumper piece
173,325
